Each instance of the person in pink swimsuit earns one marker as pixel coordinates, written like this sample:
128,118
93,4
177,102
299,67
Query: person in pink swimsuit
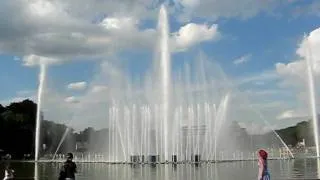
263,165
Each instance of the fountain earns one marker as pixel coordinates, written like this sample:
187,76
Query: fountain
60,143
313,105
178,116
165,75
42,77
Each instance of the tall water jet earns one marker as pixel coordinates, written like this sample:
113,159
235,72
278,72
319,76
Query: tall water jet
42,77
312,95
165,68
60,143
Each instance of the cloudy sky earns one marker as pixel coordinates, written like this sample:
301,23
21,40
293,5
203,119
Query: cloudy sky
259,44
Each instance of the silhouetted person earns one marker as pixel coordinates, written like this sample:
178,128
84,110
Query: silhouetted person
68,169
8,173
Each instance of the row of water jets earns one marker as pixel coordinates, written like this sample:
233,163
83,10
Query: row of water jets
221,156
138,131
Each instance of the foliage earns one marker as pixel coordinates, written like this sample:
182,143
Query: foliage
17,130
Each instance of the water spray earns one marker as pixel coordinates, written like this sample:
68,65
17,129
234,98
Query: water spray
312,95
42,77
165,74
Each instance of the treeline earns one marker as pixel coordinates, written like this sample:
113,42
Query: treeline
301,131
17,124
17,134
291,136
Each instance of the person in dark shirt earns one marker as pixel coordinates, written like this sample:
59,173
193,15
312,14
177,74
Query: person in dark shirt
68,169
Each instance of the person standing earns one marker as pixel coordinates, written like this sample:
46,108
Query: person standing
263,165
68,169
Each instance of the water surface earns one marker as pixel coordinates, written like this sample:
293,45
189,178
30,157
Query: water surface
246,170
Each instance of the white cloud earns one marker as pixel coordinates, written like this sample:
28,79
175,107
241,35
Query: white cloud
190,3
297,68
263,77
63,30
32,60
294,75
225,8
72,100
290,81
68,36
312,8
42,28
192,34
98,88
41,8
77,85
125,23
148,9
308,48
243,59
292,114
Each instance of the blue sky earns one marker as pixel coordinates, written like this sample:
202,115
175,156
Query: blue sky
250,39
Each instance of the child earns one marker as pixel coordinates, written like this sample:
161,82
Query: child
263,165
8,173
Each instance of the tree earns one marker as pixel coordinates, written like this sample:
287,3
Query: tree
2,109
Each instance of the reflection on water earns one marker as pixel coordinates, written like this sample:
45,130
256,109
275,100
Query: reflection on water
36,172
280,169
318,168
